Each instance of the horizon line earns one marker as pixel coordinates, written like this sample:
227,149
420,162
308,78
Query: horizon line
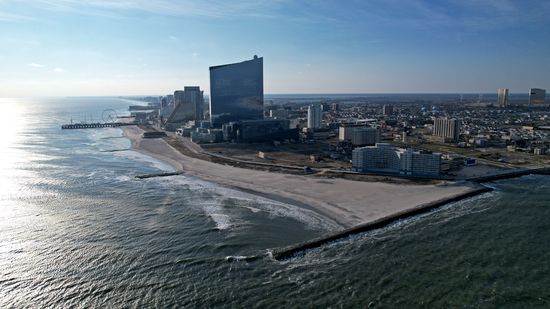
277,94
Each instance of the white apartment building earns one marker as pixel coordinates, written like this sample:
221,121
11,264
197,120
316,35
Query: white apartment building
386,158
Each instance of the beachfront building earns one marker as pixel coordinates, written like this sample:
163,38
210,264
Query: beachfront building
385,158
537,96
446,129
314,116
259,131
193,97
503,94
187,107
237,92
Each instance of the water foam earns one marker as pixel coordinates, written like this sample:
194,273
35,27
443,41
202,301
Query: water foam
153,162
253,203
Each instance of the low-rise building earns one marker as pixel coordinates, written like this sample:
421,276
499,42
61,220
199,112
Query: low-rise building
257,131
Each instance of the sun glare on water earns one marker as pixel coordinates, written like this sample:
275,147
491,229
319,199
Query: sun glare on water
11,125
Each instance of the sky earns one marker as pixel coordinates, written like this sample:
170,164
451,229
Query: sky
152,47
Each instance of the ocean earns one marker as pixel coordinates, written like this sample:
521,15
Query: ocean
78,229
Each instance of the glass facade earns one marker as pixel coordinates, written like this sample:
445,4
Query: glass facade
537,96
237,92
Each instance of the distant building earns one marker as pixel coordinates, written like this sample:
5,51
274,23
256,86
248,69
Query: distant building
345,131
188,107
258,131
335,107
447,129
387,110
314,116
503,97
166,106
537,96
278,113
363,136
194,98
385,158
237,92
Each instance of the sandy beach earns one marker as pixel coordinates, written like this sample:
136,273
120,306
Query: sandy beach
347,202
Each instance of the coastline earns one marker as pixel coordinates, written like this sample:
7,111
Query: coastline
289,251
348,203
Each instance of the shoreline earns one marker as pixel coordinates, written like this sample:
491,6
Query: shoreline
178,169
348,203
292,250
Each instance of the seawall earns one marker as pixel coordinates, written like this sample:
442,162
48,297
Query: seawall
511,174
286,252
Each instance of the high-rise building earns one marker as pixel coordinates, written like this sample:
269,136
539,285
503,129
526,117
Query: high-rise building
386,158
278,113
537,96
166,106
345,131
193,99
335,107
188,107
182,112
448,129
237,92
314,116
363,136
387,110
503,97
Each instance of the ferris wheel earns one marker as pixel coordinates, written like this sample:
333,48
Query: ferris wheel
109,116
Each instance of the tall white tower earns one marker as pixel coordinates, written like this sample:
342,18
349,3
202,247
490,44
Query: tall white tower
503,97
314,116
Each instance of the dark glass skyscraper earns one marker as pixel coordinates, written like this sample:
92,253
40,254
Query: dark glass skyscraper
237,91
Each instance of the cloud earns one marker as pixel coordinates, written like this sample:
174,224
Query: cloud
114,8
35,65
195,55
10,17
467,15
59,70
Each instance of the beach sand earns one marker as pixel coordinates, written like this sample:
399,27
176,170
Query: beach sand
347,202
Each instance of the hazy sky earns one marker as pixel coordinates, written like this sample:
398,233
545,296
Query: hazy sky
102,47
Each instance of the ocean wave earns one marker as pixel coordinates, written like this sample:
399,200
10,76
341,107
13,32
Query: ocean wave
152,162
256,204
122,178
223,221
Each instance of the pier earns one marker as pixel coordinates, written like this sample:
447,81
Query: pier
74,126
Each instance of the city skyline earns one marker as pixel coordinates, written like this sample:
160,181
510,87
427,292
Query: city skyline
64,48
